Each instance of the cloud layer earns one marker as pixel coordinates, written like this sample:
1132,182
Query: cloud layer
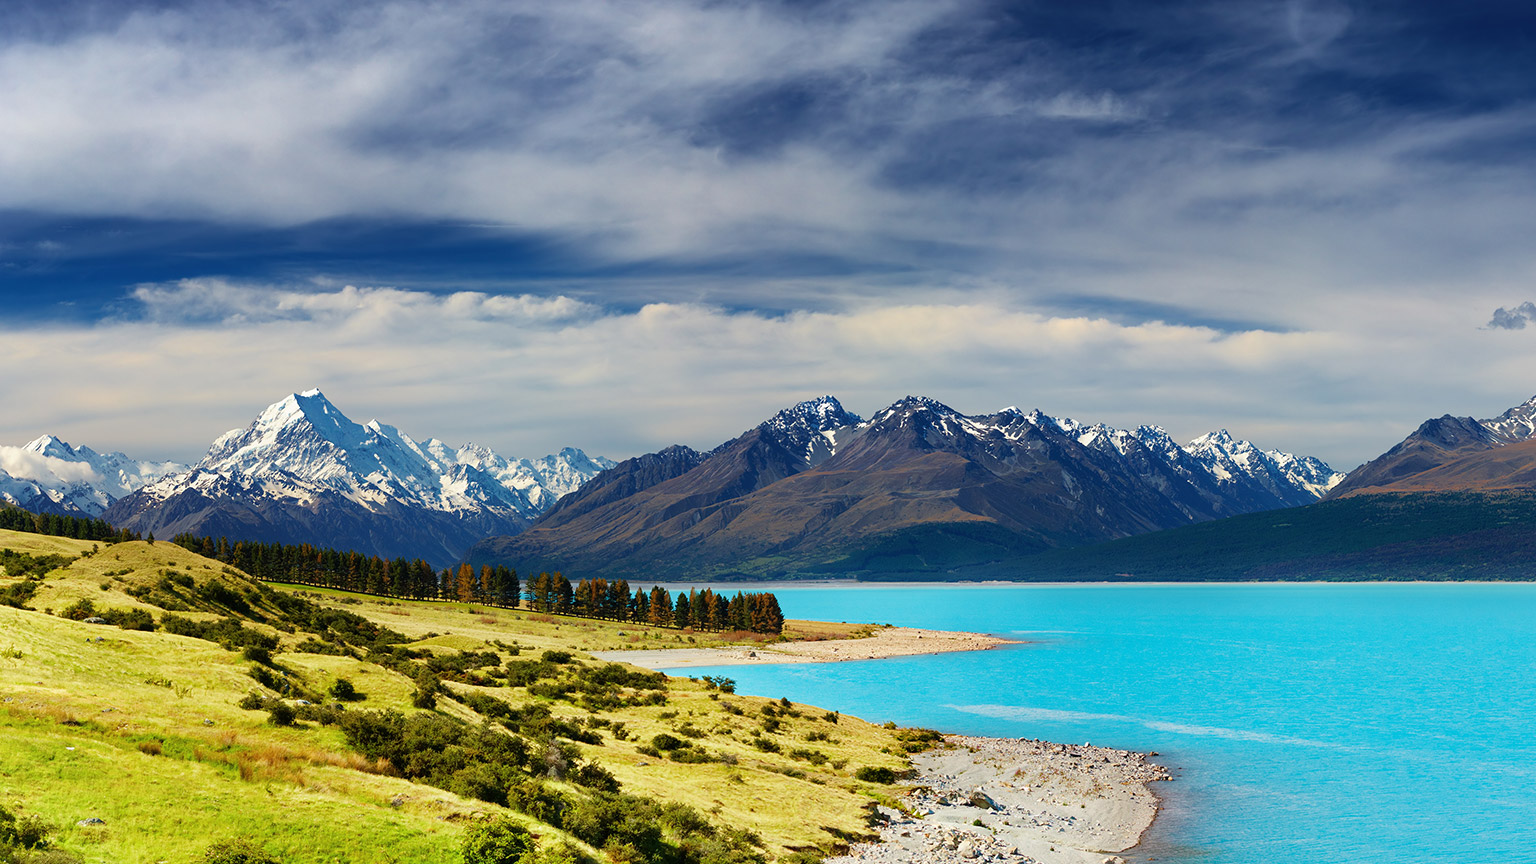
529,374
619,224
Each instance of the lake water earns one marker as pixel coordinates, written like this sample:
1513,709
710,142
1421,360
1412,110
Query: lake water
1304,723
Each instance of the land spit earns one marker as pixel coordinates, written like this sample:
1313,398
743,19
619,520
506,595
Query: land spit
1035,802
886,642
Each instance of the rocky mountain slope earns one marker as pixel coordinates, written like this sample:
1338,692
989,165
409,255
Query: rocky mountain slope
302,472
817,490
50,476
1459,454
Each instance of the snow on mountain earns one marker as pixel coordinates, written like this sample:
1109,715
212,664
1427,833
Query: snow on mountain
50,475
1516,424
1214,457
814,428
304,444
303,472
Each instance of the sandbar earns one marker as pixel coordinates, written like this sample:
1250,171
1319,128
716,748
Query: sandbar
886,642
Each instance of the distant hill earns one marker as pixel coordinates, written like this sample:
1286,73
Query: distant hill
1389,536
816,490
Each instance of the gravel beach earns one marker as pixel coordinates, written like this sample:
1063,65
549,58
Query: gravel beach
1036,802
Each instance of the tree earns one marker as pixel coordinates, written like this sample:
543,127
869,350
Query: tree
465,584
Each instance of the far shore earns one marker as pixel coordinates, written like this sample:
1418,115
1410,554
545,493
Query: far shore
885,642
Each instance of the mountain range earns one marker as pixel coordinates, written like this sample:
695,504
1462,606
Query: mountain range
302,472
817,490
49,476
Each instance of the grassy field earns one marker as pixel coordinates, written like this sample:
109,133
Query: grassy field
143,730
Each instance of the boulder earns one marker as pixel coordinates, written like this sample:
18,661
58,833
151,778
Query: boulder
94,619
982,800
86,823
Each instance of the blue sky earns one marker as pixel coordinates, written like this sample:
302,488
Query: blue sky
620,225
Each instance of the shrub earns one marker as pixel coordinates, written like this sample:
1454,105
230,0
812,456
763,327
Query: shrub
240,850
666,742
500,842
343,691
280,713
872,774
79,610
130,619
257,654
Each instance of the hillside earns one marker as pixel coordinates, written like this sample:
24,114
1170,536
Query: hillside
1426,536
145,729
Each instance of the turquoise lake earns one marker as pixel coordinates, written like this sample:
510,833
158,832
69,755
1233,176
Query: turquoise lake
1304,723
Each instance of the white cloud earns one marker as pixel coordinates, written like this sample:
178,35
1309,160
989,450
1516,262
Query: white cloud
529,375
48,470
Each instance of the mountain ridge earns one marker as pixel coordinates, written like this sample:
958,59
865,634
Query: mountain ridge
815,479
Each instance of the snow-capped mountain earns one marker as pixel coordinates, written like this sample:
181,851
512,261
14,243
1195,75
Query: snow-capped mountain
50,476
815,487
302,471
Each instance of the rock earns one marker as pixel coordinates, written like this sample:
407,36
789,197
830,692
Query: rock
982,800
95,619
397,801
966,849
86,823
302,702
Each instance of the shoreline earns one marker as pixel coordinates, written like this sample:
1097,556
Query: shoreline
1035,801
973,799
886,642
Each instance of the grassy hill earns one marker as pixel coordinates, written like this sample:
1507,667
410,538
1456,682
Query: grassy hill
1432,536
145,729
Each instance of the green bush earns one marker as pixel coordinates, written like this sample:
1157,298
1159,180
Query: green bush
280,713
871,774
343,691
499,842
79,610
240,850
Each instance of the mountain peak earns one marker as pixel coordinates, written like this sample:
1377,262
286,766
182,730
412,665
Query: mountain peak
49,445
821,414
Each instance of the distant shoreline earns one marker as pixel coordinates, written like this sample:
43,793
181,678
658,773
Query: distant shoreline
886,642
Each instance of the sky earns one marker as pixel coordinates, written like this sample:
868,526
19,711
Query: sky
621,224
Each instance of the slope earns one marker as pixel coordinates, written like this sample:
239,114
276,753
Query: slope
169,739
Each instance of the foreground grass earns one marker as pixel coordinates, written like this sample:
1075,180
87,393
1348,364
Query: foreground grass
143,730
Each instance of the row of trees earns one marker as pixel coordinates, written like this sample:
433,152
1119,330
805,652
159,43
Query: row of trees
306,564
55,525
701,610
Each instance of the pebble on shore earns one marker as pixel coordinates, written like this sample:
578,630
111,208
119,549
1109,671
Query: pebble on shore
1036,801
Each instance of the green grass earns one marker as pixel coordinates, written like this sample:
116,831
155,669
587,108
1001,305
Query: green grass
213,770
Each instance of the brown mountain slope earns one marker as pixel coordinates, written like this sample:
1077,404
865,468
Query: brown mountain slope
1507,468
1432,445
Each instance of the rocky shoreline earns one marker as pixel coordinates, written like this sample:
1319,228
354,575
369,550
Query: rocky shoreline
1016,800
